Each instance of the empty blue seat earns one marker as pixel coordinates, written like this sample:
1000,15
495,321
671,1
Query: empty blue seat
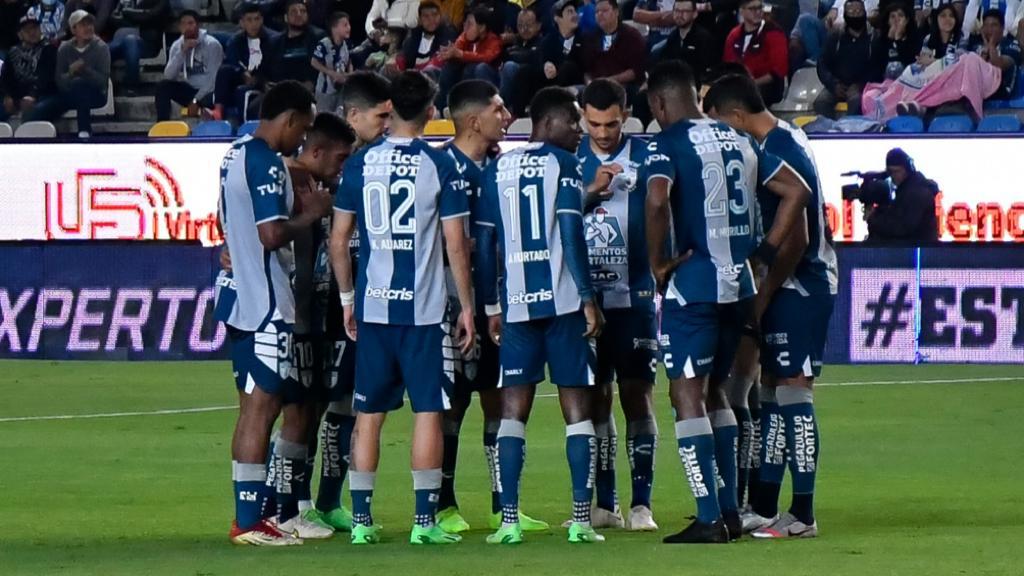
213,128
905,125
248,128
1001,123
951,125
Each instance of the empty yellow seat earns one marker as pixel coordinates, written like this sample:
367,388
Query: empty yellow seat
169,129
440,128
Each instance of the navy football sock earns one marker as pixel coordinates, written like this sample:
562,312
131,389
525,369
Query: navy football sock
641,445
604,479
697,452
360,486
723,423
336,445
249,481
743,451
773,455
797,407
754,472
426,484
511,455
451,456
580,450
290,458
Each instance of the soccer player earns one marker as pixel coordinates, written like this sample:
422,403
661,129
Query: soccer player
403,195
256,302
480,119
531,211
627,349
797,298
366,102
701,180
323,355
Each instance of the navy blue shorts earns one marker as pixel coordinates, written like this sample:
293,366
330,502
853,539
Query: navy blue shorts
327,366
793,332
264,359
701,339
393,360
628,347
526,347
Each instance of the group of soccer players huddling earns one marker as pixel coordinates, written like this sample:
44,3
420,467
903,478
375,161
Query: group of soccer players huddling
373,266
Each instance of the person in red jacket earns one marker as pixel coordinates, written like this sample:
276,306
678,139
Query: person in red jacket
475,55
762,48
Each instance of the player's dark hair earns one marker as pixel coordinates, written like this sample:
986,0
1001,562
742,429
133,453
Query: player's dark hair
189,13
287,96
337,17
994,13
365,90
248,8
671,76
602,94
552,101
482,15
470,94
734,91
291,3
412,95
614,3
330,128
424,6
694,2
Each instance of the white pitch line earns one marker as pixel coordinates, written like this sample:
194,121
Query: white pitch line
224,408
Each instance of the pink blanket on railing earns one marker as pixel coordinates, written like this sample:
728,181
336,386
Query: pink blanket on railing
970,77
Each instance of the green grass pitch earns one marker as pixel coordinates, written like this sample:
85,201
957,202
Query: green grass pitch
915,478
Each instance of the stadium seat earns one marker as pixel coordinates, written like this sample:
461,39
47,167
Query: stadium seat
1000,123
801,121
5,130
36,130
633,126
951,125
213,128
439,128
169,129
160,60
803,89
521,127
106,110
248,128
843,107
905,125
653,127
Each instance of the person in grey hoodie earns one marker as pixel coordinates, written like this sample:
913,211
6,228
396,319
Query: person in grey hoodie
83,75
191,72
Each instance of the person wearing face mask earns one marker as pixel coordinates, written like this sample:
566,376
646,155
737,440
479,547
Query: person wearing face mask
835,19
845,64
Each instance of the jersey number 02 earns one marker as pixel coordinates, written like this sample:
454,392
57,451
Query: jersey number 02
379,217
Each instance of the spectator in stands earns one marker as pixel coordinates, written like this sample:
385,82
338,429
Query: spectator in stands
139,32
896,45
945,40
615,51
999,49
806,41
11,13
421,47
845,64
395,13
761,46
83,75
50,15
388,53
292,51
523,69
245,62
100,9
836,17
562,48
190,75
331,60
474,55
688,41
658,16
974,15
453,12
28,71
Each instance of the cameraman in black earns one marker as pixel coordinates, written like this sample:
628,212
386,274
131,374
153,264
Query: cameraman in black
899,204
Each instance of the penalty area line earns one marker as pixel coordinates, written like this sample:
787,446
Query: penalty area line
225,408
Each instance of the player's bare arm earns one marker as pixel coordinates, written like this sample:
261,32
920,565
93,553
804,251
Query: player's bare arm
343,227
315,204
457,246
790,253
657,218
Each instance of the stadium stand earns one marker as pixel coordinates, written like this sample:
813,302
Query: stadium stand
170,129
5,130
248,128
36,130
213,128
951,125
999,124
905,125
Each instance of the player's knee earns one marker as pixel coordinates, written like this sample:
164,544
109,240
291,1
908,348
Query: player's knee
641,427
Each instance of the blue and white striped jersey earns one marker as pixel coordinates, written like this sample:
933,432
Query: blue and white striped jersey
254,188
531,209
472,175
817,272
714,174
400,189
614,229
